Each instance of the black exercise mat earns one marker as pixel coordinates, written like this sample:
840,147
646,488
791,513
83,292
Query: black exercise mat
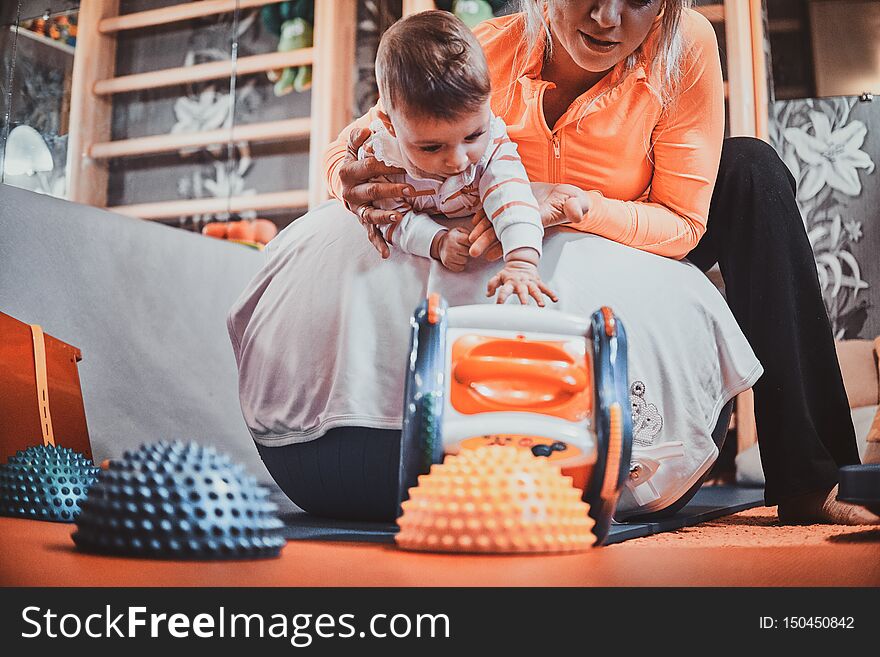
709,503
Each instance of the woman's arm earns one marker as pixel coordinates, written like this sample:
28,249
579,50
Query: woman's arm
336,152
354,181
686,151
360,183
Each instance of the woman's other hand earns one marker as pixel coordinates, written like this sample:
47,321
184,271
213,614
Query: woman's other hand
558,205
360,189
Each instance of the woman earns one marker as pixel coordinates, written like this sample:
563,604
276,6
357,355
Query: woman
618,103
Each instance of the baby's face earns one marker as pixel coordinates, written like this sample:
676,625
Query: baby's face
440,147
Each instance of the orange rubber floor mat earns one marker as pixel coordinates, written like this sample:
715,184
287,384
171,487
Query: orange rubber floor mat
42,554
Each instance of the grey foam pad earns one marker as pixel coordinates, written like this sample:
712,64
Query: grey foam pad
709,503
146,304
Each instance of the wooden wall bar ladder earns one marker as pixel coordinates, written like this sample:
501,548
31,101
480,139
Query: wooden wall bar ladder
95,84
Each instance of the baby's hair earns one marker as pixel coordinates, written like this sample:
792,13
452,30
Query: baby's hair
431,64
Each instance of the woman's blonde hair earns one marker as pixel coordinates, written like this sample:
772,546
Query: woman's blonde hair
662,64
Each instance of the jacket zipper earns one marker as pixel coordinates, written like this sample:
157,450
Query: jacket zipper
553,164
554,161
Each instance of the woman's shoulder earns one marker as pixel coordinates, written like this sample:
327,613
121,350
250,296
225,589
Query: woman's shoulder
698,32
503,41
499,34
699,47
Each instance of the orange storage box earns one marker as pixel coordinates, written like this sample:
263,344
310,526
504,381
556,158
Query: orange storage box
40,395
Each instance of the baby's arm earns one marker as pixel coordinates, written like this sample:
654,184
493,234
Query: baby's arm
520,277
415,233
509,204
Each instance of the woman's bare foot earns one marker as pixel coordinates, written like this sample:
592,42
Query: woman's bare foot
823,508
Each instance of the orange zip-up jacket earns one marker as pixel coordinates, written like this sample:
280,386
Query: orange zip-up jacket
649,170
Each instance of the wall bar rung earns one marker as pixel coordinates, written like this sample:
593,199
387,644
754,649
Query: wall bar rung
189,207
201,72
255,132
415,6
176,13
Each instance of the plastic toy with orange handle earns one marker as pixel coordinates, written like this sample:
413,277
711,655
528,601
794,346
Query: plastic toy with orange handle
549,385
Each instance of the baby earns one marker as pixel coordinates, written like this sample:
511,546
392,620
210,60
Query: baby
438,126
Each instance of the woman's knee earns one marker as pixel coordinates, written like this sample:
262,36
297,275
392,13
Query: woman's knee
754,161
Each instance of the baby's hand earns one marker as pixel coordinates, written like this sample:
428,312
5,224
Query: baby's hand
520,278
454,247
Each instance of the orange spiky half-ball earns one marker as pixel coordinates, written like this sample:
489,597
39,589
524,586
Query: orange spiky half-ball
495,499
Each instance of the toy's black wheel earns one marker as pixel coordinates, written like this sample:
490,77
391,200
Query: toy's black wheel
426,429
613,421
421,441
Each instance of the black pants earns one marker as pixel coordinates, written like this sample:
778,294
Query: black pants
756,235
349,473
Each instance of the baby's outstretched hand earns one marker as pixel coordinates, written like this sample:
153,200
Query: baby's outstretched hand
454,247
520,278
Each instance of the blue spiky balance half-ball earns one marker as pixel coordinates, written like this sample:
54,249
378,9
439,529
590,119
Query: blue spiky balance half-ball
178,501
45,482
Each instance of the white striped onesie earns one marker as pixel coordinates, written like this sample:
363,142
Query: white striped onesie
498,182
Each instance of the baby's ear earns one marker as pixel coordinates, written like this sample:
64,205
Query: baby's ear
386,121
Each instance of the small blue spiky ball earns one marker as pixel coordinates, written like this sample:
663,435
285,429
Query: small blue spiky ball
175,500
45,482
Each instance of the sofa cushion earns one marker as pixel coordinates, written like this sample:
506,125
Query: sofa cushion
858,364
146,304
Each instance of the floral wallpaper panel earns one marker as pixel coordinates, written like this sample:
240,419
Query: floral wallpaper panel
831,146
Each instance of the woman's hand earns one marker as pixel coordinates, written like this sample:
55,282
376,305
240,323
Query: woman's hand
359,190
558,205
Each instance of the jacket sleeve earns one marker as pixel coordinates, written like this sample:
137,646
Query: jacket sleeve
686,152
336,151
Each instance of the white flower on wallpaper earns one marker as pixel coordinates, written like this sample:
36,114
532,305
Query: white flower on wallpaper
208,110
837,267
831,157
203,108
823,149
228,181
